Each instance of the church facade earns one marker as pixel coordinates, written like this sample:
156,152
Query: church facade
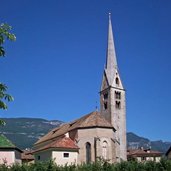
97,134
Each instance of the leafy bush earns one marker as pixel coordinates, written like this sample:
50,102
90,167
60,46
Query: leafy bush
163,165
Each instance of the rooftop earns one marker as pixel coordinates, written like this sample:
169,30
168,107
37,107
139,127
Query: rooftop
91,120
60,143
143,153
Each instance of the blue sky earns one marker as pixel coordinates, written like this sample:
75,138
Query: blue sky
54,69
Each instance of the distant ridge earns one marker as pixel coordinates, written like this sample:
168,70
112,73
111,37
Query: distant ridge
134,141
24,132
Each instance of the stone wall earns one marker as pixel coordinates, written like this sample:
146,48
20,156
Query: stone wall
96,137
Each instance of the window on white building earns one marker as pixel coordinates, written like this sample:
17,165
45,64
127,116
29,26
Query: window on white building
66,155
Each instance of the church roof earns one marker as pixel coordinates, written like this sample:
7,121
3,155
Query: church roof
60,143
94,119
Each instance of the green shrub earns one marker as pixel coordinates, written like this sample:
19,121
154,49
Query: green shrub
100,165
3,167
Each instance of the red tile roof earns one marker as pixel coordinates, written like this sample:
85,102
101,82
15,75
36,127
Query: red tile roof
143,153
60,143
27,155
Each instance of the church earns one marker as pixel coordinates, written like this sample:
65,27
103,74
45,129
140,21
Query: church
95,135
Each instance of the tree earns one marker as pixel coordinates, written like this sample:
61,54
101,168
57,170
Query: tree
5,34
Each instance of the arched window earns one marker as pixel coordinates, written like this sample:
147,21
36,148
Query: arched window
88,152
117,81
104,150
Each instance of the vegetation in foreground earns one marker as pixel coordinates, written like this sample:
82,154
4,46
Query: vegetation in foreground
163,165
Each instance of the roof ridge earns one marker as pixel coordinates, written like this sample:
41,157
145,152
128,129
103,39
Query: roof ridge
93,119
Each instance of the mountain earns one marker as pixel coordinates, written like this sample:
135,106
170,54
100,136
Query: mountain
134,141
24,132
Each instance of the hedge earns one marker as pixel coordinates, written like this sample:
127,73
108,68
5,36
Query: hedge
163,165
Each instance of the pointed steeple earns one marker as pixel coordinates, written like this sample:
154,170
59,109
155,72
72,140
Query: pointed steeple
111,62
112,97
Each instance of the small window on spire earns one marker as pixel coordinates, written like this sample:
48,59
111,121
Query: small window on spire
117,95
105,105
117,81
118,105
105,96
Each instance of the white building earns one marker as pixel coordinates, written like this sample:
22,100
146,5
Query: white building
9,153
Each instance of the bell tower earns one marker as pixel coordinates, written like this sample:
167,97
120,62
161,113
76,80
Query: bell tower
112,97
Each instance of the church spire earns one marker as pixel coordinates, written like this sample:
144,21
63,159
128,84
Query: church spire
112,97
111,62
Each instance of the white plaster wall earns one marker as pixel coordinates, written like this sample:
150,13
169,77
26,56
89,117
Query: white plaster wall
60,160
150,158
8,156
158,159
139,159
